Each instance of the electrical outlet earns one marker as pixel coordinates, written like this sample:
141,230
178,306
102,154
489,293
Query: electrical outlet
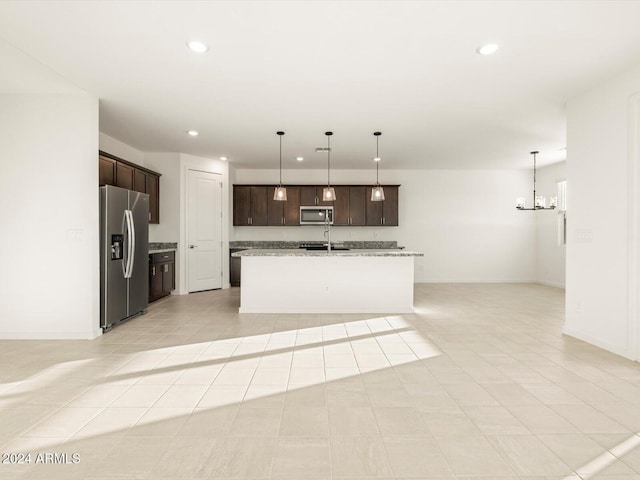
579,307
75,235
584,235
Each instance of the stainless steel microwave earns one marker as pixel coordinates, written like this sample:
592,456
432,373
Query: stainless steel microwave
316,215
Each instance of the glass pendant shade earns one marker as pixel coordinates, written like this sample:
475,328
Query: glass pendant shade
280,193
328,194
377,194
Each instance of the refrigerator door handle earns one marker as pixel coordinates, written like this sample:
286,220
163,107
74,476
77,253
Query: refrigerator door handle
125,246
129,240
133,242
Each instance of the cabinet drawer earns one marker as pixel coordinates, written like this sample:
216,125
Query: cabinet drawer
163,257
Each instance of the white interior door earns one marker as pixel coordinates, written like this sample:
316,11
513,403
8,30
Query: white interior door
204,231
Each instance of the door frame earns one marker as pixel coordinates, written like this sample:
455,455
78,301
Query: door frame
184,287
633,238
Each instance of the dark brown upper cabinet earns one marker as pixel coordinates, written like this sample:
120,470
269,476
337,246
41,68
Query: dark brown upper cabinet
349,207
385,213
311,195
284,213
106,171
124,176
254,205
250,207
122,173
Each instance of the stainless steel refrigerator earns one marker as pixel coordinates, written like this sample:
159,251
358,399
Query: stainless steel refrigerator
124,254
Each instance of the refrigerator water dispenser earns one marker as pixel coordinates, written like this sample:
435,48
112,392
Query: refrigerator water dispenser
116,247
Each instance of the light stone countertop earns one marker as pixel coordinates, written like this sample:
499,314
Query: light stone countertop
301,252
162,250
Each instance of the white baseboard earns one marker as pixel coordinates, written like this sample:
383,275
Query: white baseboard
477,280
48,335
552,284
623,352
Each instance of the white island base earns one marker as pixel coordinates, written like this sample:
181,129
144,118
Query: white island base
326,283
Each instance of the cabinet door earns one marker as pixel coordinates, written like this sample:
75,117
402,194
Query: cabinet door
275,209
390,207
106,171
341,206
153,189
258,206
168,277
234,268
241,205
308,196
155,282
357,205
124,176
374,210
291,208
139,181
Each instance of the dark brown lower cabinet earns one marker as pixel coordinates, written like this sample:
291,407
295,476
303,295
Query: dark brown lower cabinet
234,267
162,276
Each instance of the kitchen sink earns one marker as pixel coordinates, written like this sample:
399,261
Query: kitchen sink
323,247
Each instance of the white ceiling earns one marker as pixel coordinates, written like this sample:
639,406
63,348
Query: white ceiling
407,68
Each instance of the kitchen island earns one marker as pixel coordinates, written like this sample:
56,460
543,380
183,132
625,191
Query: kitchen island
338,281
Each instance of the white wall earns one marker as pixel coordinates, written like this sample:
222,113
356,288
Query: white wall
464,221
168,165
601,242
120,149
550,256
49,248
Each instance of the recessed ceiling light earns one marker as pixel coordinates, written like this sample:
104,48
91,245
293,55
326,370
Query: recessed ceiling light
192,133
197,46
299,159
224,159
377,159
487,49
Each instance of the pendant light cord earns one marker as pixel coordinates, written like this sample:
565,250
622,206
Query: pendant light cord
378,162
328,160
280,160
534,179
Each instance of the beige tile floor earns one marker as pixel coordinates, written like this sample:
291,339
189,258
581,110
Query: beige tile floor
478,383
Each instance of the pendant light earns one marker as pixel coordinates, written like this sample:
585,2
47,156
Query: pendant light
539,202
328,192
280,192
377,192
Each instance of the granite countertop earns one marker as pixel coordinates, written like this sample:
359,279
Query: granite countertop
300,252
282,244
162,247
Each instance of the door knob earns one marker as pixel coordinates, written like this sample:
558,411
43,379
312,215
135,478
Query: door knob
193,246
